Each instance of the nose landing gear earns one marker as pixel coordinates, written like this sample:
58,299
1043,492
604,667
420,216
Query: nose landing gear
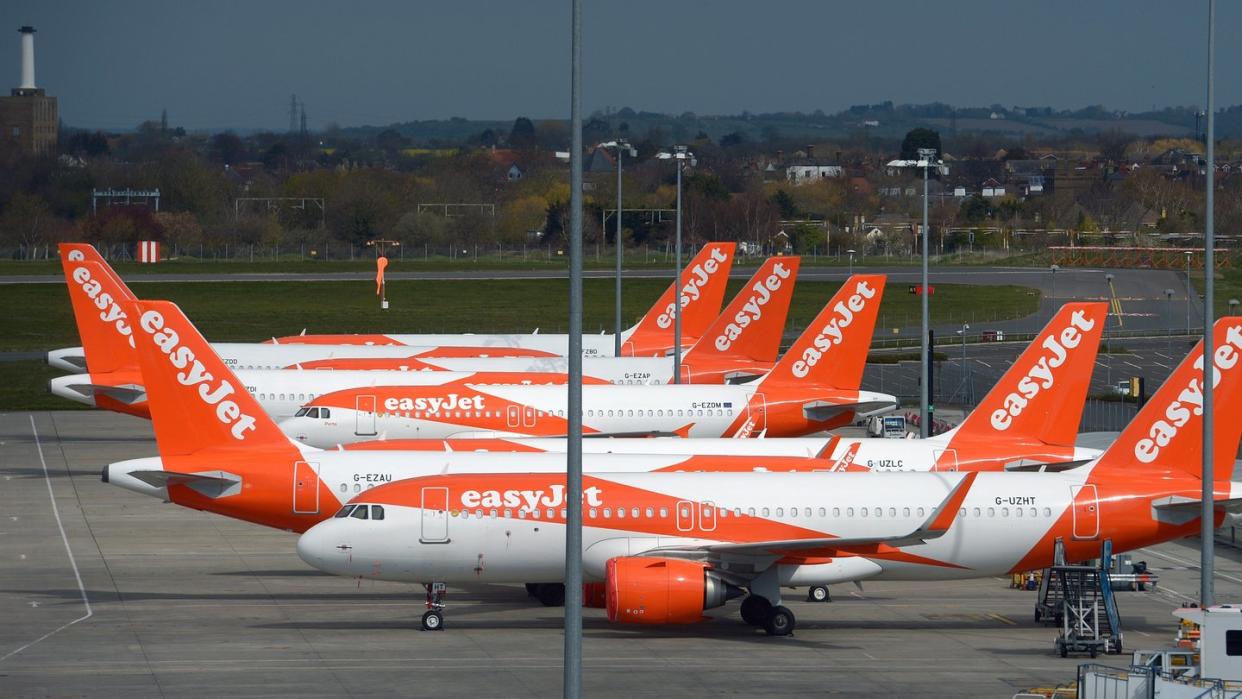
433,618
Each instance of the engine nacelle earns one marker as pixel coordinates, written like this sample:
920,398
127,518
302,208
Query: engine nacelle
663,590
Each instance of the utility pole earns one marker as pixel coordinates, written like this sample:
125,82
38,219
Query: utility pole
293,113
925,410
1207,554
572,684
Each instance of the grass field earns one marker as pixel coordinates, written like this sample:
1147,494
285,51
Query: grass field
38,316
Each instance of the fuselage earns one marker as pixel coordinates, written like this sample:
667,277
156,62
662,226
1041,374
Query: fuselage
939,453
510,528
294,489
280,392
478,411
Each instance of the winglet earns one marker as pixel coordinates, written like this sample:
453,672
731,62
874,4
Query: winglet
940,520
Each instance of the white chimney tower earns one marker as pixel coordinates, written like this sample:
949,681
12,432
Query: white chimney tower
28,75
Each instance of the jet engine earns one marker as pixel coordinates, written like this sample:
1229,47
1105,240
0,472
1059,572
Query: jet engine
663,590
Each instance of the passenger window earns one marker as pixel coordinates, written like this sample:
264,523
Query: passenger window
836,512
921,512
1004,512
892,512
1034,512
593,513
879,511
1017,511
377,512
991,511
807,512
862,511
564,513
766,512
975,512
551,513
344,511
492,514
344,488
521,514
663,513
649,512
508,514
607,513
849,512
357,487
360,512
905,512
620,513
683,512
634,512
750,512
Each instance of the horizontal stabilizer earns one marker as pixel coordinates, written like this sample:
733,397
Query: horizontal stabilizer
213,484
1022,466
820,411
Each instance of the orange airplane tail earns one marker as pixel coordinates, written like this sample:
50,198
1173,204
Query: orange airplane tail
832,351
196,402
99,302
1167,433
1042,395
703,283
751,325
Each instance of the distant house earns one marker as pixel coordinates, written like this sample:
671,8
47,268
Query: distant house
992,188
801,174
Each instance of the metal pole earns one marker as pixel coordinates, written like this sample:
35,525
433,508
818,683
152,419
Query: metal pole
677,289
924,408
616,345
573,457
1208,516
1188,291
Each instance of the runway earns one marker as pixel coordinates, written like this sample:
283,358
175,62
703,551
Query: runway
173,602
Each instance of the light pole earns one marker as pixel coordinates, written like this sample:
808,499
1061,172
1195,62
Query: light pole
1168,321
965,382
851,252
1189,255
1207,520
680,154
1108,348
925,161
572,653
1052,296
620,147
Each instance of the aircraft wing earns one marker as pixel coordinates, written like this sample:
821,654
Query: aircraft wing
936,525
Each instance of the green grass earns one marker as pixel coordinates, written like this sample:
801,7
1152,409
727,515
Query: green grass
23,386
38,316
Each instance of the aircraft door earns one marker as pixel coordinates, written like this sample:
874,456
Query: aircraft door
305,488
1086,511
364,418
757,411
434,515
944,460
707,516
511,416
528,416
685,515
686,375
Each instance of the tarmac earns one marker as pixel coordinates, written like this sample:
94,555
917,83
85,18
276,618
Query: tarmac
106,593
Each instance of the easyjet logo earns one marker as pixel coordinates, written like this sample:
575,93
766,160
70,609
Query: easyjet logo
752,310
435,404
1189,401
1040,376
700,274
109,310
554,496
833,332
210,390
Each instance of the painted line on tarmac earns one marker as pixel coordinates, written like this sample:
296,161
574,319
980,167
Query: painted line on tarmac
1002,619
1191,565
72,561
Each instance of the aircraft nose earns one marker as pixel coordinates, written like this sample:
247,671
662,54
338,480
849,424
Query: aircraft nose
322,547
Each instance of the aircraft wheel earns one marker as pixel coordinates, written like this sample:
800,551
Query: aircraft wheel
818,593
433,620
780,622
755,610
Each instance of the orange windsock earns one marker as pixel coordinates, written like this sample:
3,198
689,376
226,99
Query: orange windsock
380,263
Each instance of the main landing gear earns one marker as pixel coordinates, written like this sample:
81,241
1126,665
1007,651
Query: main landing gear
818,593
433,618
776,620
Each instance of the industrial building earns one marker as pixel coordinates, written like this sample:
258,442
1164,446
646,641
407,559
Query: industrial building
29,117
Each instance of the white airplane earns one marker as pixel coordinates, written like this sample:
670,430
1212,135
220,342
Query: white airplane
814,387
703,283
701,298
115,383
665,547
1029,418
741,345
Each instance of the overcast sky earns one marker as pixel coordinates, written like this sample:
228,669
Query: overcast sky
225,64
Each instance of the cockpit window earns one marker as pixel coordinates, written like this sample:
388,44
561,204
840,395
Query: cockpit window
344,511
377,512
312,412
360,512
301,412
323,413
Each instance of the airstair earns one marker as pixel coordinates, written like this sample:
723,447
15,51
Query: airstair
1080,599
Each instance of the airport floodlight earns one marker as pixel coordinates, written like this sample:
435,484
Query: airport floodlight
682,155
621,147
